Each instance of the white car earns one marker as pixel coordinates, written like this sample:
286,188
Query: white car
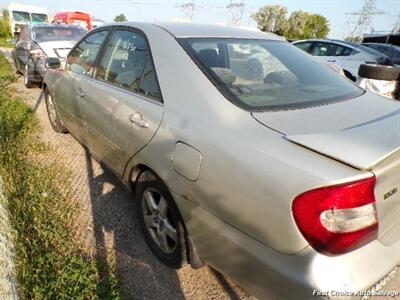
349,56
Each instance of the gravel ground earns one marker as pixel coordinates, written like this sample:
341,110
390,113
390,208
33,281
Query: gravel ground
107,230
8,290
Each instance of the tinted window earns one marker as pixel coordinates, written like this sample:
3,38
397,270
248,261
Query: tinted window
126,63
304,46
39,18
82,59
148,85
329,49
55,33
264,75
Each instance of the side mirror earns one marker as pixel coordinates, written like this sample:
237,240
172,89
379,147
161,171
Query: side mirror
52,63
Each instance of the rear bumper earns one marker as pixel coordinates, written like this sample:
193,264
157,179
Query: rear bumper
272,275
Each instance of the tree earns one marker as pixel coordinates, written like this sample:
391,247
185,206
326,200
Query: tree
317,26
272,18
299,25
120,18
296,27
5,30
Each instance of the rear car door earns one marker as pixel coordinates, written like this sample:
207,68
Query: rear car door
123,104
78,71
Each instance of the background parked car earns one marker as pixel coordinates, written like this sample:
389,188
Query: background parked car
38,41
349,56
391,51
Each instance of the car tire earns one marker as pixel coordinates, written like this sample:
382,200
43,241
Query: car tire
27,82
379,72
158,217
52,113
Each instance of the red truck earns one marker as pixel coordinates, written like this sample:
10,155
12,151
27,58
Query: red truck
75,18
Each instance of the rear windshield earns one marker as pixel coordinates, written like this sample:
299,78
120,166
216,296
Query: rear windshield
262,75
52,33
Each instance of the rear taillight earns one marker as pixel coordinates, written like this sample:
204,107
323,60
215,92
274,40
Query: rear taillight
338,219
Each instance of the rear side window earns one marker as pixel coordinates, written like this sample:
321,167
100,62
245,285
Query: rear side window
127,63
328,49
82,59
304,46
148,84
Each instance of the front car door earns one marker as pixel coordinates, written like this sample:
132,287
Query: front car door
78,71
123,104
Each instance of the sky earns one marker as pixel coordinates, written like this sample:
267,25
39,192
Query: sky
336,11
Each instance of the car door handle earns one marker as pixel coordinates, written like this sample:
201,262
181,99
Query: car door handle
137,119
332,60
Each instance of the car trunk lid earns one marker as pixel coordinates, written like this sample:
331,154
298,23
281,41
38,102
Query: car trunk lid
363,133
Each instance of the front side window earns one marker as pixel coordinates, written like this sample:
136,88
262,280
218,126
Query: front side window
127,63
82,59
264,75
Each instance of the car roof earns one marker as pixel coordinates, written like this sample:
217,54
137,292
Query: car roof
198,30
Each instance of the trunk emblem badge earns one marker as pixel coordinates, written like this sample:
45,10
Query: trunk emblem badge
390,193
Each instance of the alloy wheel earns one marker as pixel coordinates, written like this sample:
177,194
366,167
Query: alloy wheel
158,221
51,109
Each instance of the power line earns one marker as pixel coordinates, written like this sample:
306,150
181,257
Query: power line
364,22
235,11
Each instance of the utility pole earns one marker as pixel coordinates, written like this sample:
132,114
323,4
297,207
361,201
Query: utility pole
396,27
364,18
188,9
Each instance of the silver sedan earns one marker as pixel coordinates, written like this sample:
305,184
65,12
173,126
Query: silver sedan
243,153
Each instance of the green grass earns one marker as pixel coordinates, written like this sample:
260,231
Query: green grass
49,264
3,43
7,74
